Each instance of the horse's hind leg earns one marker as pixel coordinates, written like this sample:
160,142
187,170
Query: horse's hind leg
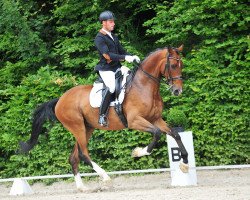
101,172
80,153
74,162
82,136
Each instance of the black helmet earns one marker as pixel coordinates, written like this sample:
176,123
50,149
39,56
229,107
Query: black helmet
106,15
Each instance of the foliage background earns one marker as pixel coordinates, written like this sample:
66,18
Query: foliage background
46,47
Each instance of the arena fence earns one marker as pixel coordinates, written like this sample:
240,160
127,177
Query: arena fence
223,167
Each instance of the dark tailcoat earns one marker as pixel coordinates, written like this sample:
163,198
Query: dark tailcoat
110,51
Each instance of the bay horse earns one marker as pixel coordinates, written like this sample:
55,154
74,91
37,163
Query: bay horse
142,107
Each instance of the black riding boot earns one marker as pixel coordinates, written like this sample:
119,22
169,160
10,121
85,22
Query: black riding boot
103,112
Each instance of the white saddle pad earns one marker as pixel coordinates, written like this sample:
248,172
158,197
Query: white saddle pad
95,96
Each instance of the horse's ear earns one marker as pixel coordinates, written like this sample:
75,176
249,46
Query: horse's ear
180,48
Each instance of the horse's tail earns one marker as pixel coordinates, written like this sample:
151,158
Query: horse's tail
44,112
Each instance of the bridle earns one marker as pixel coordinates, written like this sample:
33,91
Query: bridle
170,79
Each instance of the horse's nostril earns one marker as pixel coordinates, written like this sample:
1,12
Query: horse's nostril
176,92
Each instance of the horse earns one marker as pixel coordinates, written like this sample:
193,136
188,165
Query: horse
142,107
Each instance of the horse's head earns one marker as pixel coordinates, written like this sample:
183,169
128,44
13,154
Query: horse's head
164,63
173,70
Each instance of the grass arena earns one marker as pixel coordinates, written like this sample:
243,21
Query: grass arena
230,184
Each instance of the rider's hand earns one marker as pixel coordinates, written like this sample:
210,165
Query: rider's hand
137,59
129,59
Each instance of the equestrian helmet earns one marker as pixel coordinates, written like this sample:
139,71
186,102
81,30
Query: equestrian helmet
106,15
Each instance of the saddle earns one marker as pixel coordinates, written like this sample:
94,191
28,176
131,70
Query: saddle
118,84
96,93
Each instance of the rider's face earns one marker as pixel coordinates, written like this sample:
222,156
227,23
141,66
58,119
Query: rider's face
109,25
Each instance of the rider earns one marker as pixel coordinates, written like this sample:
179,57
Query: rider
111,54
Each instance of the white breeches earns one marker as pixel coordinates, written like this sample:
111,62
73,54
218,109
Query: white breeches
108,78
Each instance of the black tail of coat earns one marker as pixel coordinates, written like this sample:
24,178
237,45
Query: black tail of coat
44,112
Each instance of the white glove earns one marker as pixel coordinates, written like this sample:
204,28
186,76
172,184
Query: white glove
137,59
131,59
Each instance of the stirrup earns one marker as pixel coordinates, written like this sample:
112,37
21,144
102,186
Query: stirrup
103,121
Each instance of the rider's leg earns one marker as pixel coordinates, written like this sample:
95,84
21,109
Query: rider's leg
103,112
108,78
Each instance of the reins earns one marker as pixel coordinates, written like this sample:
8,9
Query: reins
158,80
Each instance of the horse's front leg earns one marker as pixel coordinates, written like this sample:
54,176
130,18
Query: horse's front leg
184,154
144,125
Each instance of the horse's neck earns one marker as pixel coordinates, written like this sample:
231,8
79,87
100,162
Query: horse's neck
149,73
153,63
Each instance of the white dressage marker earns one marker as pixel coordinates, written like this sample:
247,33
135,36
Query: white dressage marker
20,187
178,177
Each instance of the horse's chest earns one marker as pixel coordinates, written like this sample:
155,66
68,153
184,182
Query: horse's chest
154,110
157,108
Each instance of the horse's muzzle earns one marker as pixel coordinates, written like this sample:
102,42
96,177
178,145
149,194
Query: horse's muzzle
176,87
176,91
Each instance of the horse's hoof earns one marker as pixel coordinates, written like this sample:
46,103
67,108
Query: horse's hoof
184,167
106,179
136,152
107,184
83,189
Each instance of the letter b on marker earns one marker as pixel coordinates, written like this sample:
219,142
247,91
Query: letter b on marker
176,154
178,178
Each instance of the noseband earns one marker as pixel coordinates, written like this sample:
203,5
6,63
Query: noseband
170,79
